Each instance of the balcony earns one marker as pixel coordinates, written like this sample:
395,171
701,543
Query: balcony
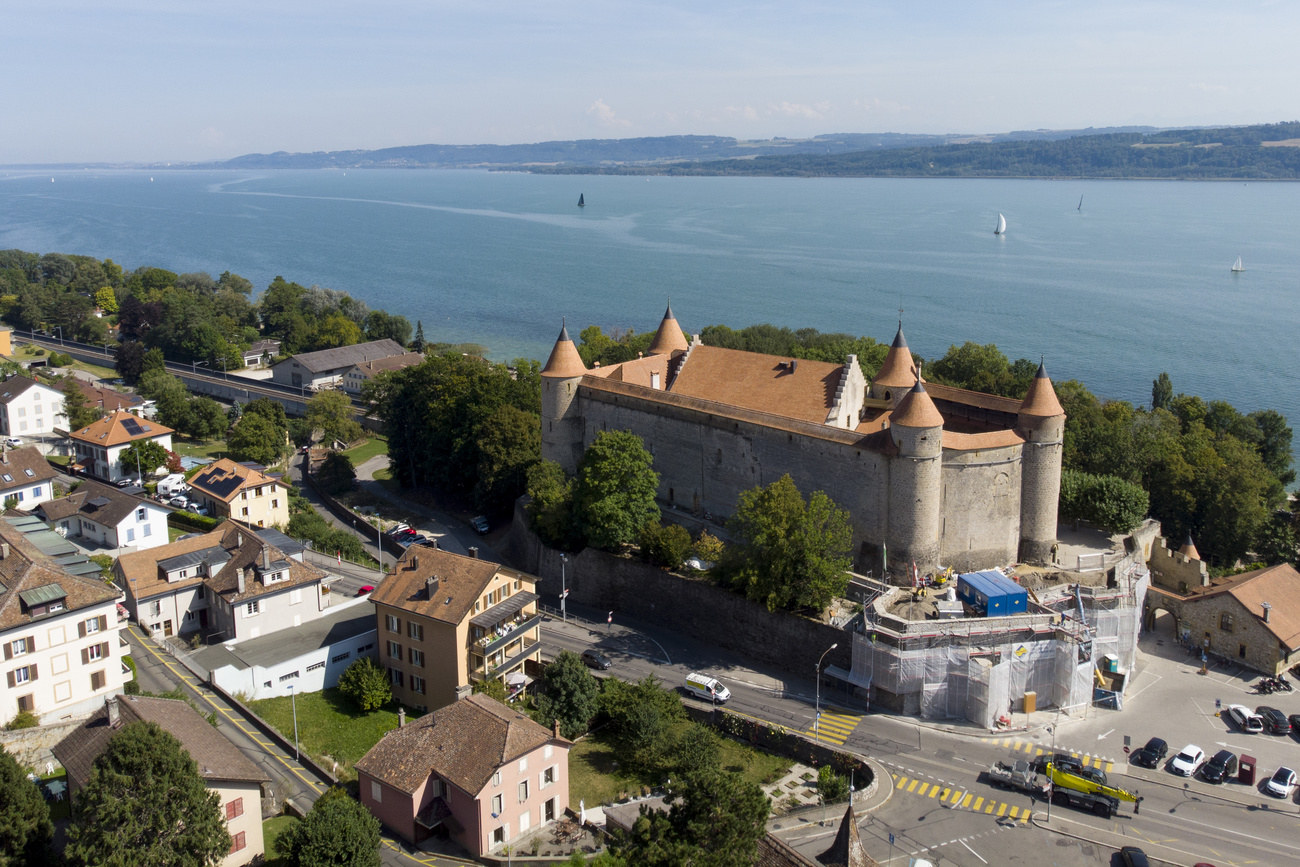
508,665
517,630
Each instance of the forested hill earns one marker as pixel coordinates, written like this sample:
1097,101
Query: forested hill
1263,152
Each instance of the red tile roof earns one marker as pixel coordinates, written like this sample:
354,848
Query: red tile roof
564,360
765,383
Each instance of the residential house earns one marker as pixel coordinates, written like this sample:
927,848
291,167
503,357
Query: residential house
224,769
104,515
99,447
446,620
58,633
230,583
363,371
104,398
241,491
261,353
476,771
325,368
26,476
30,408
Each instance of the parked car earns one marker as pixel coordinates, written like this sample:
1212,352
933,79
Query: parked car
364,589
1294,719
396,528
179,502
1275,722
596,659
13,442
1223,766
1248,722
480,524
127,482
1187,761
1132,856
1282,783
1151,755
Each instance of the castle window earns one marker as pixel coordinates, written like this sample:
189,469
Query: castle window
670,495
1241,651
886,395
1225,622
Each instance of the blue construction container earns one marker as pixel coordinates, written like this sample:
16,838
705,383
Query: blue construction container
992,593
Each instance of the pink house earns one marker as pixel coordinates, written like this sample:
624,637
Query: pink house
476,771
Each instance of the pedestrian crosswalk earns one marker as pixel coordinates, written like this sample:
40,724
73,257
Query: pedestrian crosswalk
1030,748
835,725
959,798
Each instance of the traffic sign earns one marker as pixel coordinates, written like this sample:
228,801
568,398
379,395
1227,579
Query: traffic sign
610,618
1126,749
891,838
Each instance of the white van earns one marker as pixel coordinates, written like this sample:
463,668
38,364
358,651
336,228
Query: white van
707,688
172,485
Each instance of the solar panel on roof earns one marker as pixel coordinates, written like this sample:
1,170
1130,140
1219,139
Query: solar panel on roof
132,427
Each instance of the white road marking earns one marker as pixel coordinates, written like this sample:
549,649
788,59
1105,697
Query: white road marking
1099,737
972,851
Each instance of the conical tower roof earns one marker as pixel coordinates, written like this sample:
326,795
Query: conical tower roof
916,409
669,338
564,360
898,370
1189,549
1041,398
847,849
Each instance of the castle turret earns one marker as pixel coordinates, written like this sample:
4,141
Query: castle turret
669,338
561,421
1041,422
897,375
915,487
1189,549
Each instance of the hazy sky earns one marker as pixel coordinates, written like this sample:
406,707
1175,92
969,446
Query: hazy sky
139,80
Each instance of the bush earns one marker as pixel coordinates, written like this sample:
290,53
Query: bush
664,545
366,684
831,786
1108,502
24,719
191,521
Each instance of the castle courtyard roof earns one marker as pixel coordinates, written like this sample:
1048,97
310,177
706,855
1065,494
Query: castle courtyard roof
791,388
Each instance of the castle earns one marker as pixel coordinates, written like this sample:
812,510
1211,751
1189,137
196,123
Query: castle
931,475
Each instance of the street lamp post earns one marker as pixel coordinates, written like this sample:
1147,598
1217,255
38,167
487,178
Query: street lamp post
817,719
194,366
293,699
564,590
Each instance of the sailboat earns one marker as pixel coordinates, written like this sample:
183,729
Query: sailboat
582,202
1080,208
1237,266
1002,226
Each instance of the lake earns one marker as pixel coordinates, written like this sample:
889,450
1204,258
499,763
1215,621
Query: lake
1135,282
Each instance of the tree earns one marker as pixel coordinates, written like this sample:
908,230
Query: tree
509,443
708,548
550,506
790,553
144,803
615,492
271,410
331,411
206,419
417,344
255,439
1162,392
235,413
74,405
25,827
571,695
336,832
153,361
492,687
150,457
106,300
366,684
392,326
832,787
1107,502
642,716
664,545
336,330
130,360
697,750
336,474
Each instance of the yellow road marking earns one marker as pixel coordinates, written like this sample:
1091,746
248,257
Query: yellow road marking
1002,810
901,782
934,790
1015,811
989,808
976,805
912,788
956,796
965,802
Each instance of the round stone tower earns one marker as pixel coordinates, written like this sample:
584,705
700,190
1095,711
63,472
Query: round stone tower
915,486
898,374
561,421
1041,422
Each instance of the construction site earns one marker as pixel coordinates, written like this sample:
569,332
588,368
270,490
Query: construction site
987,646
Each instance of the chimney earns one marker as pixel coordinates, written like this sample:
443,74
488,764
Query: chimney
415,561
401,717
430,587
4,550
114,712
240,573
266,557
555,728
239,540
1267,608
473,552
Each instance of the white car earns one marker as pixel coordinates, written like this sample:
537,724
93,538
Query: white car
13,441
1187,761
1282,783
1248,722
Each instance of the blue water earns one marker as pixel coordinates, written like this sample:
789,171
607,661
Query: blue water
1136,283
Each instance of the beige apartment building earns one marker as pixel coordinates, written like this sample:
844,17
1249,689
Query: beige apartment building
232,490
445,621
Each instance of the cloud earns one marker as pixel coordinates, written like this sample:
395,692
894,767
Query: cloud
1209,88
606,115
875,103
794,109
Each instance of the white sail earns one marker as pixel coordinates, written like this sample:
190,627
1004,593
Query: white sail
1237,266
1002,226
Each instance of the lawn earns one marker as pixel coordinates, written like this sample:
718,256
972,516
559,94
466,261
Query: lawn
188,448
329,727
595,777
271,831
376,445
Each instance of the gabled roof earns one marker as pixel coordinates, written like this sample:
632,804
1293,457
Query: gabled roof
118,428
102,504
218,759
138,571
14,387
346,356
392,362
249,557
564,359
791,388
28,571
23,467
464,743
107,399
224,479
1279,588
461,581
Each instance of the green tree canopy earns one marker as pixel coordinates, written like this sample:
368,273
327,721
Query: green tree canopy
145,805
789,553
643,717
75,405
255,439
550,506
509,443
366,684
331,412
615,492
151,456
336,474
571,695
337,832
1108,502
664,545
25,827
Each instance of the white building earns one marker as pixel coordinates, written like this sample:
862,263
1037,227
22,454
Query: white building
103,515
327,367
58,633
30,408
99,447
26,476
364,371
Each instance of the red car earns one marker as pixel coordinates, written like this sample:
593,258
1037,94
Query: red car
365,589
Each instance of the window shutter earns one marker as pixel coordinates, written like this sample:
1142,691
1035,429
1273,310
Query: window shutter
33,668
9,652
81,629
85,656
103,622
103,650
10,676
31,644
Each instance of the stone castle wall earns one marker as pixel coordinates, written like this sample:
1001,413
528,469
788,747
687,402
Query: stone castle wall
980,512
1174,571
